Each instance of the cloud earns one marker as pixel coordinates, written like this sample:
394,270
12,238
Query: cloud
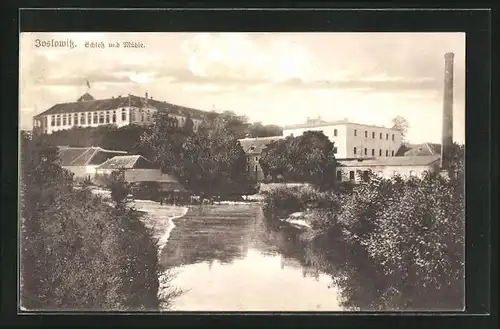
243,57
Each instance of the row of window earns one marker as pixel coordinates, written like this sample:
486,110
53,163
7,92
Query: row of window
366,174
366,134
67,119
373,152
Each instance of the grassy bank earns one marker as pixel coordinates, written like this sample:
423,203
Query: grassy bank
78,252
389,244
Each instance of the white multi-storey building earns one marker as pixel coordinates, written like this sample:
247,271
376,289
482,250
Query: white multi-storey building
353,140
119,111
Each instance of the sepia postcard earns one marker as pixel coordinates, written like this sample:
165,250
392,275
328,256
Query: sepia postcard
242,172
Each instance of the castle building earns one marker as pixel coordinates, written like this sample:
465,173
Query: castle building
119,111
353,140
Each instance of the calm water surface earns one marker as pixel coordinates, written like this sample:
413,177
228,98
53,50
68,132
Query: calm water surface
229,258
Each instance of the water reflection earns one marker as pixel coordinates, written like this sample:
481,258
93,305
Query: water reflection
228,258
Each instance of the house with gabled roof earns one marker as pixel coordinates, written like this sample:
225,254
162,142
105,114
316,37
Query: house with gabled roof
253,148
82,161
136,168
424,149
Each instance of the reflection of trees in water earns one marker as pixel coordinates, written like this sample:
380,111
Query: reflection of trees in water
206,234
353,274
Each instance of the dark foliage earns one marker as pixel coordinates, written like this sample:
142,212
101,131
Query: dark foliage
390,244
305,158
78,252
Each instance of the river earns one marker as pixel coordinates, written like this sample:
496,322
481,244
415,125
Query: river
229,258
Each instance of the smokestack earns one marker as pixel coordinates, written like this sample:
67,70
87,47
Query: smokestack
447,132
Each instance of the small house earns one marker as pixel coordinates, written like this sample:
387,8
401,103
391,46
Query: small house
82,161
387,167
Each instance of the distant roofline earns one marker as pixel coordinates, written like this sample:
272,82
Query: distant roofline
119,96
332,123
257,138
90,147
391,162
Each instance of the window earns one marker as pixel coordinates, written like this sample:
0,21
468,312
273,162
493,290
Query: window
252,148
255,167
256,159
354,150
124,115
351,175
64,120
380,135
386,153
142,119
248,168
373,135
392,136
366,151
355,132
339,175
75,118
387,136
114,116
95,118
52,120
366,175
101,117
379,153
366,133
334,150
82,118
392,153
334,132
107,116
58,120
89,118
373,152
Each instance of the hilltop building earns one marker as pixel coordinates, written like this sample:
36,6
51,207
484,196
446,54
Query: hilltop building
120,111
353,140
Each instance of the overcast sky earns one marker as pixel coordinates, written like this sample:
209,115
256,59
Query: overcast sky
276,78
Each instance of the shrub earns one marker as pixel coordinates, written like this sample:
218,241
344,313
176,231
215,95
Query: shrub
78,252
389,243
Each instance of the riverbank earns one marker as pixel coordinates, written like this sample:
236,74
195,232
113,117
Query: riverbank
160,219
383,239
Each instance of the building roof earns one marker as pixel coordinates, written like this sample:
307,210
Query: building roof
86,103
81,156
390,161
86,97
331,123
257,144
127,162
424,149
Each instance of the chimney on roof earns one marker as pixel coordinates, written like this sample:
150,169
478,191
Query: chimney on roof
447,132
146,95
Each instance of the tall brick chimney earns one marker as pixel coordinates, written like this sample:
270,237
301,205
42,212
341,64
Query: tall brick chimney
447,132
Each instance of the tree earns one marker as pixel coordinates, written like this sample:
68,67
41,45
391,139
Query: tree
210,161
77,252
307,158
402,125
257,129
188,127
